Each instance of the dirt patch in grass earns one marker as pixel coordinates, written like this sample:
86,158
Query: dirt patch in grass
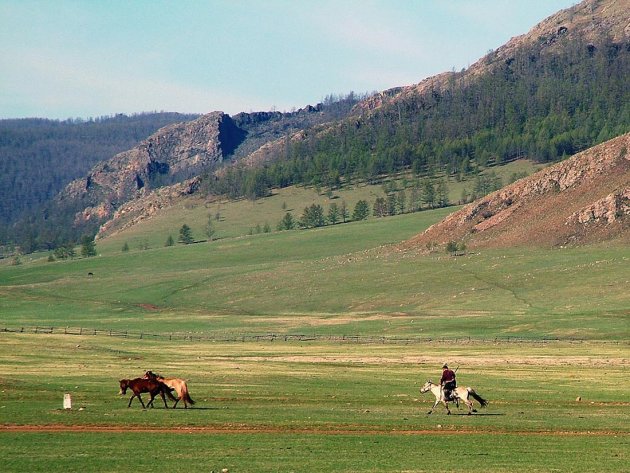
321,321
254,429
149,307
454,360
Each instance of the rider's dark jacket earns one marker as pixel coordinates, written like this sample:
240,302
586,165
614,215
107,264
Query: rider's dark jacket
448,379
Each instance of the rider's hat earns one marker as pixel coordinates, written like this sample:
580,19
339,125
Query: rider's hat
445,366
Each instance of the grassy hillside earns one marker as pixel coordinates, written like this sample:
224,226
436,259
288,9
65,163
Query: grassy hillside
241,217
334,280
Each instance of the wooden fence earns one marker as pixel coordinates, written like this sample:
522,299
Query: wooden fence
271,337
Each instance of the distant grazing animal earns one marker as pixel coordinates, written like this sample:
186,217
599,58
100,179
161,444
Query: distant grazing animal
460,393
179,385
143,385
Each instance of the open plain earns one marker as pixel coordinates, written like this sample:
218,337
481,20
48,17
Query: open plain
305,351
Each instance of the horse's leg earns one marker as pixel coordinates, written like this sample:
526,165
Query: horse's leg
141,401
470,406
433,407
130,399
155,393
469,403
164,399
465,399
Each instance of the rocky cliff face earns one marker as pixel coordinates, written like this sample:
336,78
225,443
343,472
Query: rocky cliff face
179,152
583,199
137,210
171,155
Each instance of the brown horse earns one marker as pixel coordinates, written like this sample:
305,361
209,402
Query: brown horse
142,385
179,385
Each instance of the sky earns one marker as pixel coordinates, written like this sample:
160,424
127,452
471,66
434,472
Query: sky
64,59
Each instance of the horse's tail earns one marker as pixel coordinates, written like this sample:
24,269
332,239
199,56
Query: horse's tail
477,397
187,397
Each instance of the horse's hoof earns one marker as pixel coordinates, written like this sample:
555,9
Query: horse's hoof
429,413
474,410
448,413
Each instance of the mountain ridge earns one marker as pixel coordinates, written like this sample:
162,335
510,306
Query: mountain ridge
535,97
584,24
590,18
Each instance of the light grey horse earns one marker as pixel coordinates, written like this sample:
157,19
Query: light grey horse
459,393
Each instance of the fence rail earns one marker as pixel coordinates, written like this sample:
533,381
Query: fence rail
271,337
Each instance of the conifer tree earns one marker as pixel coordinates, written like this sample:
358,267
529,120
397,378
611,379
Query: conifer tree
185,235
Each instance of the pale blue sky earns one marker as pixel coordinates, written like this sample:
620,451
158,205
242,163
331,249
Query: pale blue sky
87,58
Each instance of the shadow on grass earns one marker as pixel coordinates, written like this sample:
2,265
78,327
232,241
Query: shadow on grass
196,409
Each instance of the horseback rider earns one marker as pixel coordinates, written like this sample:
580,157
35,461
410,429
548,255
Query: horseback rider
448,382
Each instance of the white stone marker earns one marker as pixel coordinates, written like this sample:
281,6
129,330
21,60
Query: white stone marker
67,401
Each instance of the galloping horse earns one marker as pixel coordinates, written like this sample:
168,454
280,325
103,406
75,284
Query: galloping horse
179,385
459,393
142,385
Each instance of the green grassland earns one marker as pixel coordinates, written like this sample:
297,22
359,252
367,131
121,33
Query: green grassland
541,333
343,279
278,406
312,453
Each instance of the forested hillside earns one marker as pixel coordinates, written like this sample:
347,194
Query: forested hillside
170,155
39,157
546,95
263,127
537,103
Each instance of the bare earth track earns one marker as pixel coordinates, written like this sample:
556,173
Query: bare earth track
249,429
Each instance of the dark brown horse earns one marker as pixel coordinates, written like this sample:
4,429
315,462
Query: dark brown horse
142,385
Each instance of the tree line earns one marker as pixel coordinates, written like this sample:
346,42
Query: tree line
545,107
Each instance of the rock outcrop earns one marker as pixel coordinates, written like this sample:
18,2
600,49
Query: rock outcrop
147,206
174,155
171,155
581,200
